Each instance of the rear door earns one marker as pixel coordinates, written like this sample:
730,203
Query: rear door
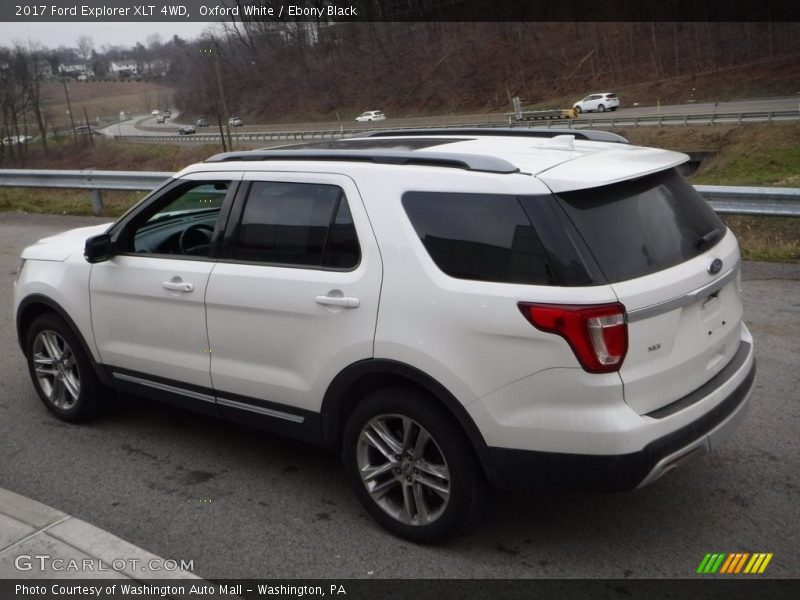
674,266
294,299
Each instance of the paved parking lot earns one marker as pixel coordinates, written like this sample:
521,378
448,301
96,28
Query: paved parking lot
241,503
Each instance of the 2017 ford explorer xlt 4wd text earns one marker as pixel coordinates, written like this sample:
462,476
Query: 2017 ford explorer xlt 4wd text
446,308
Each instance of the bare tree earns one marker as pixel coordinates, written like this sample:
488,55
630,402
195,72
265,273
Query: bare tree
85,46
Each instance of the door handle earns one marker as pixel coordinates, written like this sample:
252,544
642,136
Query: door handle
177,286
342,301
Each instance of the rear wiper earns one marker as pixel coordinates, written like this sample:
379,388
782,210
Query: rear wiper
710,237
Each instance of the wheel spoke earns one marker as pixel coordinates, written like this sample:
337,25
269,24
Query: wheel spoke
381,489
50,342
379,427
370,473
68,358
442,489
72,385
408,504
422,507
408,430
375,441
44,365
439,471
422,439
57,393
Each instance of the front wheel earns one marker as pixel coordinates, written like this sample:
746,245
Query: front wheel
411,466
61,371
601,108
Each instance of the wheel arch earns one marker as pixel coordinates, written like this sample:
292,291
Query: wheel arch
35,305
358,379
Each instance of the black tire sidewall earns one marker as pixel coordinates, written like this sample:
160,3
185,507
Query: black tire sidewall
466,481
88,402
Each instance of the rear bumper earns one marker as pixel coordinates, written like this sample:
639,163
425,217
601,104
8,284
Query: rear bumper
525,469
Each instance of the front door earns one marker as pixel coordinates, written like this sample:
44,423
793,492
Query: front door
148,310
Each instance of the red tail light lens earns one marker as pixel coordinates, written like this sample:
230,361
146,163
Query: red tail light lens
597,334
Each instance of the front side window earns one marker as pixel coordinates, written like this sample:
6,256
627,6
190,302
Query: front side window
297,224
181,223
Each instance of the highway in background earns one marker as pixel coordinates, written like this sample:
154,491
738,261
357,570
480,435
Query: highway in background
145,125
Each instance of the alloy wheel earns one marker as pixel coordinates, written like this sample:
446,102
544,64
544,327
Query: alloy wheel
403,469
56,369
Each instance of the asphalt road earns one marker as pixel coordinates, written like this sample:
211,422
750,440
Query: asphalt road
241,503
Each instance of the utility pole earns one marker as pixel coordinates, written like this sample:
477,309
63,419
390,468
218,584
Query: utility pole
69,110
225,114
88,126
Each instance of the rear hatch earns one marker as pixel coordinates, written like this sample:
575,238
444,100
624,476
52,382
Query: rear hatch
675,267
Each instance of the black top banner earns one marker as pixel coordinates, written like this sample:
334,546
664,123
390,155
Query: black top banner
398,10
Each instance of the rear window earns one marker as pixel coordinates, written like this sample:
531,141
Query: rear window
642,226
491,237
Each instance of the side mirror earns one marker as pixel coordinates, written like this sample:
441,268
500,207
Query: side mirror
98,248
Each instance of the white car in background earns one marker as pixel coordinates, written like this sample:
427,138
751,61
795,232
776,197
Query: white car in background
600,102
371,115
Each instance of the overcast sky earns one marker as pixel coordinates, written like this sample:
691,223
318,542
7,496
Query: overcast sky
53,35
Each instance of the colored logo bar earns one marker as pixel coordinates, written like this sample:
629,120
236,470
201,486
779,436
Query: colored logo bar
735,562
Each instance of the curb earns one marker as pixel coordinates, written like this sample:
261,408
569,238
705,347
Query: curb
40,542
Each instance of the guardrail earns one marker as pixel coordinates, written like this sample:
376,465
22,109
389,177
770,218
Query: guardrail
89,179
784,202
595,121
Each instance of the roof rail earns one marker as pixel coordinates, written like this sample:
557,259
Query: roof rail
540,132
469,162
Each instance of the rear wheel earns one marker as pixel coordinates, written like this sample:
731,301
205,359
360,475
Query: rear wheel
61,371
411,466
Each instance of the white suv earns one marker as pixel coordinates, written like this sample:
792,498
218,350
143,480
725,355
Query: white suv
444,307
597,103
371,115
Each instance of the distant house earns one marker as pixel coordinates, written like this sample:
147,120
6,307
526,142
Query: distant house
123,68
76,70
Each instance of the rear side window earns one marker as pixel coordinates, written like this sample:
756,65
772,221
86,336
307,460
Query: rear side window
297,224
639,227
485,237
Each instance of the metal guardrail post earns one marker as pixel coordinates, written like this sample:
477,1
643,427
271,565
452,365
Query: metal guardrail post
97,202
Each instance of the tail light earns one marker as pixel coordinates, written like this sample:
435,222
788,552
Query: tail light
597,334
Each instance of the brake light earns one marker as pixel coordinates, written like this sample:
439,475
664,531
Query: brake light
597,333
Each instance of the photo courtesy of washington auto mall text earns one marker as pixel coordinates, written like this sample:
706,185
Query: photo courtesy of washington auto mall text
167,589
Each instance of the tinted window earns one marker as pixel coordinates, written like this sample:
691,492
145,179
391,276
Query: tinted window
297,224
479,236
639,227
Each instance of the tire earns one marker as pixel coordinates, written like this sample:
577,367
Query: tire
60,370
601,108
577,110
426,483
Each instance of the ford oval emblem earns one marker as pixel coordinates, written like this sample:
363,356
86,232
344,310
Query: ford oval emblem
715,266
